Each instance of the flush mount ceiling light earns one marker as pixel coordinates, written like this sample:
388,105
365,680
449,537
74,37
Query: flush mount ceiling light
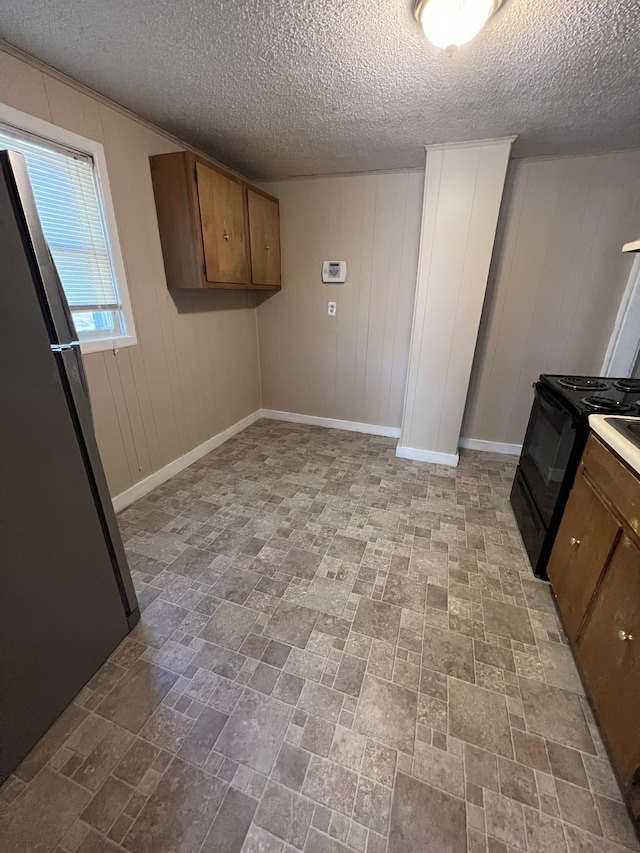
451,23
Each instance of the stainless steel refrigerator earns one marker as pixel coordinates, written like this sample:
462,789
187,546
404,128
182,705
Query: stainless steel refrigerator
66,596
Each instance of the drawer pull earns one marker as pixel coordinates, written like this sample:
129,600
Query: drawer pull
574,541
622,635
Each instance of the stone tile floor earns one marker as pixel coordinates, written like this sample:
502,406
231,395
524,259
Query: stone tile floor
340,651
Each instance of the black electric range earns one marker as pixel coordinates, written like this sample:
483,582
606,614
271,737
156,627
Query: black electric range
556,435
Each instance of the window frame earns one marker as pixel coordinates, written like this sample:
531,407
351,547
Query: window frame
61,136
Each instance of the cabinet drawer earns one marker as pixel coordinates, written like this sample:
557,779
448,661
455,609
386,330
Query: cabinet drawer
612,477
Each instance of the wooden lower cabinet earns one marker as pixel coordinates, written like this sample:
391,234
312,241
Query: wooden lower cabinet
594,572
584,542
609,654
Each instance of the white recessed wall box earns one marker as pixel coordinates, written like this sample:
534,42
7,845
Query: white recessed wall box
334,272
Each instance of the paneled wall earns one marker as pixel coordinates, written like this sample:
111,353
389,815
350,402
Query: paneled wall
462,195
195,369
352,366
555,285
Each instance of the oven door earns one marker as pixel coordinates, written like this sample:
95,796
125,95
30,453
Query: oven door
546,452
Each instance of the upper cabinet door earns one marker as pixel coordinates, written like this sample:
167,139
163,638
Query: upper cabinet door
264,235
222,218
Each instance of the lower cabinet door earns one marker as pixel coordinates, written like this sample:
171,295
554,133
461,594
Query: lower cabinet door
584,542
609,653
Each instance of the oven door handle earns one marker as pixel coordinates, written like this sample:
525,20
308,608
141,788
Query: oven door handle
554,403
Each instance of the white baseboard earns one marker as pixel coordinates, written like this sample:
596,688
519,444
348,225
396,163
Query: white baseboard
138,490
490,446
450,459
330,423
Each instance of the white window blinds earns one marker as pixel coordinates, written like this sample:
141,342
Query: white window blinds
68,202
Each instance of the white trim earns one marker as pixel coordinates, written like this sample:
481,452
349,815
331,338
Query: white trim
324,175
47,130
140,489
490,446
450,459
331,423
622,351
470,143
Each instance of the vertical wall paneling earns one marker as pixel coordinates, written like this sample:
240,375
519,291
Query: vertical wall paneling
350,367
194,371
462,195
556,281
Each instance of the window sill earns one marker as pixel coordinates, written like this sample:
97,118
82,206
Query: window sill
107,344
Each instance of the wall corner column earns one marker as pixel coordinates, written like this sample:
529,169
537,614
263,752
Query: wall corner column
463,190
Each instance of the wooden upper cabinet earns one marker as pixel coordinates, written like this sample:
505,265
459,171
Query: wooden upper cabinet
264,237
204,222
221,204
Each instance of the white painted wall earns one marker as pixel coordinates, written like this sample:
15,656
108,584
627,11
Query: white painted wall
462,194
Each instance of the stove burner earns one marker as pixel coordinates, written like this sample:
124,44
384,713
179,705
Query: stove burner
627,384
605,404
583,383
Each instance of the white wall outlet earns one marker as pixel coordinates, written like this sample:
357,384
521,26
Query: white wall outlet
333,309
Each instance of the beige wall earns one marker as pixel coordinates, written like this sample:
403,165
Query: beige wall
462,194
195,369
353,366
554,288
555,285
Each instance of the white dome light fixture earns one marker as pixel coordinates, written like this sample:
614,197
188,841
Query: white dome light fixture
451,23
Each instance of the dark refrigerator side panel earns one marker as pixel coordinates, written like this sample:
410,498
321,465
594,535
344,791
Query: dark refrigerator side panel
61,608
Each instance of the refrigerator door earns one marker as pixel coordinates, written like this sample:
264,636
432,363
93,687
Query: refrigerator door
61,609
72,375
64,343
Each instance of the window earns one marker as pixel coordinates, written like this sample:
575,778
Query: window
67,190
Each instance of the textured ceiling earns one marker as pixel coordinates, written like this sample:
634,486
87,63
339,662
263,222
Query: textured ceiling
298,87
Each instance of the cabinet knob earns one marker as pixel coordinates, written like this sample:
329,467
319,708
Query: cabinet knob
574,541
225,236
622,635
267,248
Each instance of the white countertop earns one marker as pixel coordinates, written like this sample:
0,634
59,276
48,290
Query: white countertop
623,446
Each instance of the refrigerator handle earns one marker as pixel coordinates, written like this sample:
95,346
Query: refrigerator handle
83,380
63,305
